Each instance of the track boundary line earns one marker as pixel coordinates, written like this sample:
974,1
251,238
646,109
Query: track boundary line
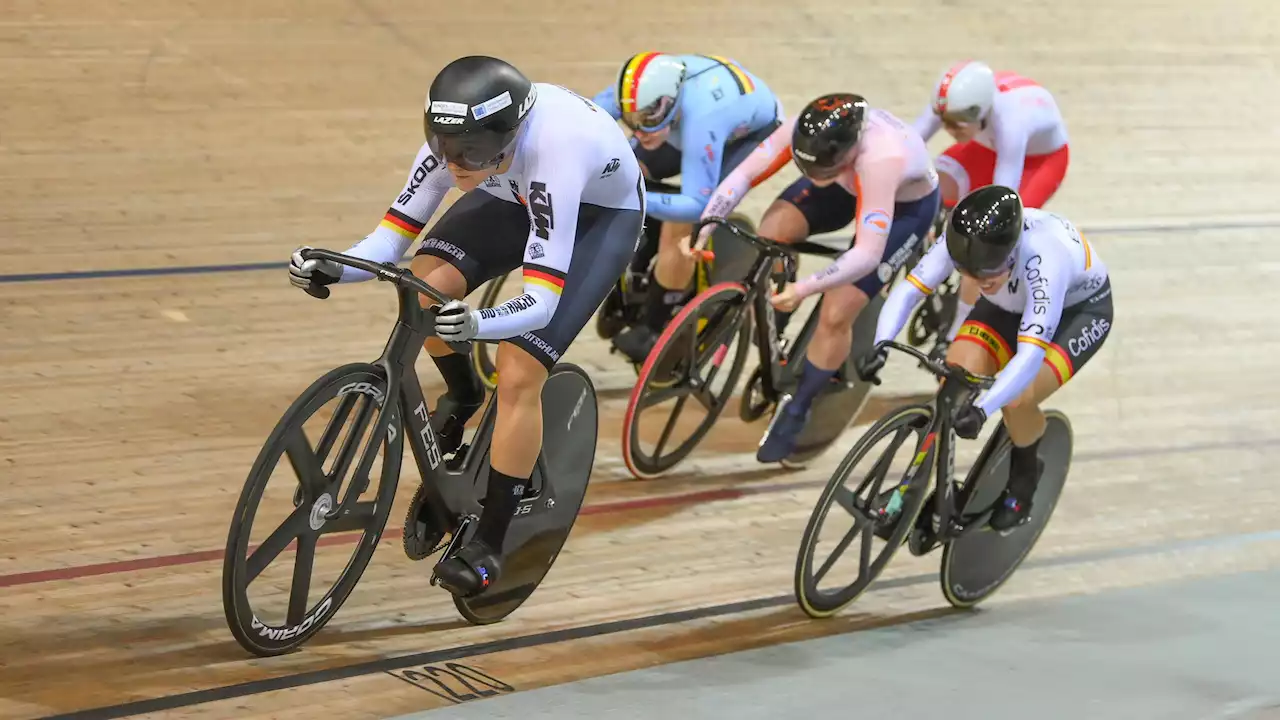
1114,227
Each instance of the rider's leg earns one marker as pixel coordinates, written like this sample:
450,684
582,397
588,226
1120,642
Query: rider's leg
657,165
992,332
605,242
457,255
829,347
464,393
673,272
1042,176
841,305
517,440
802,210
672,275
785,223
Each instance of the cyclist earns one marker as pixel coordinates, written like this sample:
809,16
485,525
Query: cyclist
1007,130
1045,292
696,116
550,183
859,164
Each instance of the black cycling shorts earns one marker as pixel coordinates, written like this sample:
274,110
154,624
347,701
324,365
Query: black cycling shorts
484,237
829,208
1083,329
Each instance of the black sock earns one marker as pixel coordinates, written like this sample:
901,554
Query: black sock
460,378
812,380
500,501
657,306
1024,470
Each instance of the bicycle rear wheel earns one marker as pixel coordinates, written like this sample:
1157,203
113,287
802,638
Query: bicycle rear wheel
977,564
330,507
545,517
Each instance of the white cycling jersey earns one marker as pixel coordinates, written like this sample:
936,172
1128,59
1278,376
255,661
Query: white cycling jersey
569,152
1053,268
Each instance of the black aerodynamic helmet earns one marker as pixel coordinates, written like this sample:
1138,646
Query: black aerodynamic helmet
826,133
474,108
983,231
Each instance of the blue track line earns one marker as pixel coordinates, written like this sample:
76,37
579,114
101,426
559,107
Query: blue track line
249,267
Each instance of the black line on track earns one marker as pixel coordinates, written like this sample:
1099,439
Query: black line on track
315,677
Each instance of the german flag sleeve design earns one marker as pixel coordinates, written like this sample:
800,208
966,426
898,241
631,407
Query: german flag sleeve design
543,277
401,224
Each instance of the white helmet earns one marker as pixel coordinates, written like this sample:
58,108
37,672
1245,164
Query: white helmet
965,92
648,88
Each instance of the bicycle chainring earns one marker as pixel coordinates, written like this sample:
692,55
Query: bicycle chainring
423,537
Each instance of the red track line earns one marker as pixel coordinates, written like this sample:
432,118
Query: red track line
148,563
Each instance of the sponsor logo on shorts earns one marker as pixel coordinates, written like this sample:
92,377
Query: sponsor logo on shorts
1090,335
445,247
889,268
542,345
1089,284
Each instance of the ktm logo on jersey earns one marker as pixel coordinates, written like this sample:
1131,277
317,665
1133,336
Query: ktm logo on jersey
540,210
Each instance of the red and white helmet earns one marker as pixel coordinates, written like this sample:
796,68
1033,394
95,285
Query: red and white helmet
965,92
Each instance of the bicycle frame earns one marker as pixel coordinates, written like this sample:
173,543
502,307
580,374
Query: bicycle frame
957,386
414,324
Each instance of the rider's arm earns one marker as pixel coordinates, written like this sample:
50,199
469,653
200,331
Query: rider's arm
876,180
607,99
927,124
933,268
1012,133
418,200
1050,264
703,141
768,158
553,228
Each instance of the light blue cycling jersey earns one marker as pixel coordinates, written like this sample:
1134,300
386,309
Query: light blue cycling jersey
718,104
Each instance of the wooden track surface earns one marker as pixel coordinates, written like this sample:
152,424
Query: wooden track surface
177,134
